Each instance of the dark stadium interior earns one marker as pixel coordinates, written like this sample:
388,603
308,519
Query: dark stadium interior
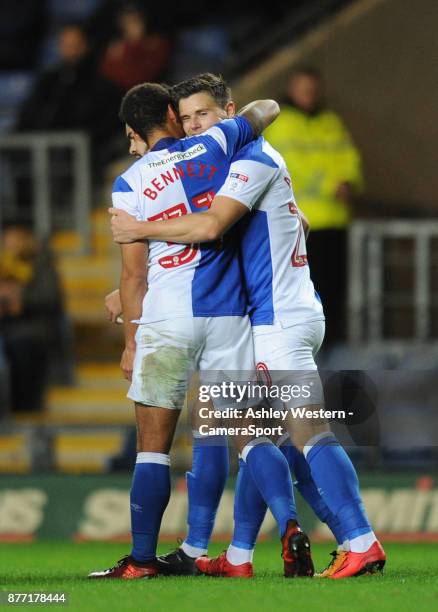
63,406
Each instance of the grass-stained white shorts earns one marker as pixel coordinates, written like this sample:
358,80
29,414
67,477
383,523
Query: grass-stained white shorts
169,352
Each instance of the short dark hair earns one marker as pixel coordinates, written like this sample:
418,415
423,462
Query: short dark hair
144,107
306,70
213,84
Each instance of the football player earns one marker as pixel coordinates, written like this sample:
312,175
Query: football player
193,314
287,320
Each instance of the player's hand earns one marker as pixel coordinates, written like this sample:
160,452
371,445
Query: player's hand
113,307
127,362
125,227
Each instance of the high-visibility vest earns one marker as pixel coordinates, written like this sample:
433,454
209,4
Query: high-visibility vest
320,155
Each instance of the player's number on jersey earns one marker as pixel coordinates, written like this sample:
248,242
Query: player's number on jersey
189,252
297,260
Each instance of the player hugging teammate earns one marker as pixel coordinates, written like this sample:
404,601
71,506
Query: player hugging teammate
249,302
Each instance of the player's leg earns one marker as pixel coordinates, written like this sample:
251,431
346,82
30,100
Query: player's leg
306,486
265,463
205,482
164,357
249,513
272,347
205,485
331,469
150,490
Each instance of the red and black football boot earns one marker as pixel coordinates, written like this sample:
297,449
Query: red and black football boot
177,563
128,569
297,558
222,568
338,558
358,564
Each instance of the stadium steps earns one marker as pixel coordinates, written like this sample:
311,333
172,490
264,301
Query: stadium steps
15,453
86,424
88,452
99,397
85,281
72,451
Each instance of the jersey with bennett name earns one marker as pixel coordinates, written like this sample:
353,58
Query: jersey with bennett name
179,177
273,243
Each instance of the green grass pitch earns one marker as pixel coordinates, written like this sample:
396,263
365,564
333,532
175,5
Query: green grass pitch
410,582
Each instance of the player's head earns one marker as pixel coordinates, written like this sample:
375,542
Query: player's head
305,89
145,110
202,101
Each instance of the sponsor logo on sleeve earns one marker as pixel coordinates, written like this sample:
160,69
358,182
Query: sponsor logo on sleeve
237,181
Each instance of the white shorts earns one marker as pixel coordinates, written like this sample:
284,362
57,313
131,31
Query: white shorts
169,352
285,355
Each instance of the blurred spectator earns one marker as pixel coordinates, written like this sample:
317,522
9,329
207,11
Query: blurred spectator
30,308
136,55
326,173
73,97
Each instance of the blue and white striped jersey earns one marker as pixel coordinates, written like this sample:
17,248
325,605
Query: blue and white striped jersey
179,177
273,244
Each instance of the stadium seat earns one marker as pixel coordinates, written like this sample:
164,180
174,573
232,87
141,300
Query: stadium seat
199,50
86,452
14,87
49,53
15,453
63,11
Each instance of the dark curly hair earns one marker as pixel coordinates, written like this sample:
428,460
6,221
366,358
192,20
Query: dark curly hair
144,107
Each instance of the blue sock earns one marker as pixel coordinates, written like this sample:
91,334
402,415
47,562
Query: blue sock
150,492
270,471
306,486
205,485
249,509
337,482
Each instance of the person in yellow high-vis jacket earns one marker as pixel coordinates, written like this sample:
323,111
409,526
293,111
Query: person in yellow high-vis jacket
326,173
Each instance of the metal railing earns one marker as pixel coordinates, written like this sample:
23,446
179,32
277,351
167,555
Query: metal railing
370,268
39,145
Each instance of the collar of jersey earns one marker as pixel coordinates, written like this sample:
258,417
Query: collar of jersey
164,143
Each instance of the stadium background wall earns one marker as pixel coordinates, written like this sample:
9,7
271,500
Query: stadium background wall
401,507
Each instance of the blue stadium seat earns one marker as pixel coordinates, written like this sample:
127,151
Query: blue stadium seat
14,87
49,54
63,11
198,50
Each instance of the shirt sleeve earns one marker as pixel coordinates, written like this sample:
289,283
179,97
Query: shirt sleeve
126,198
232,134
247,181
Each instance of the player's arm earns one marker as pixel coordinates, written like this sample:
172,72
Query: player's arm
203,227
260,114
133,287
233,134
237,195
